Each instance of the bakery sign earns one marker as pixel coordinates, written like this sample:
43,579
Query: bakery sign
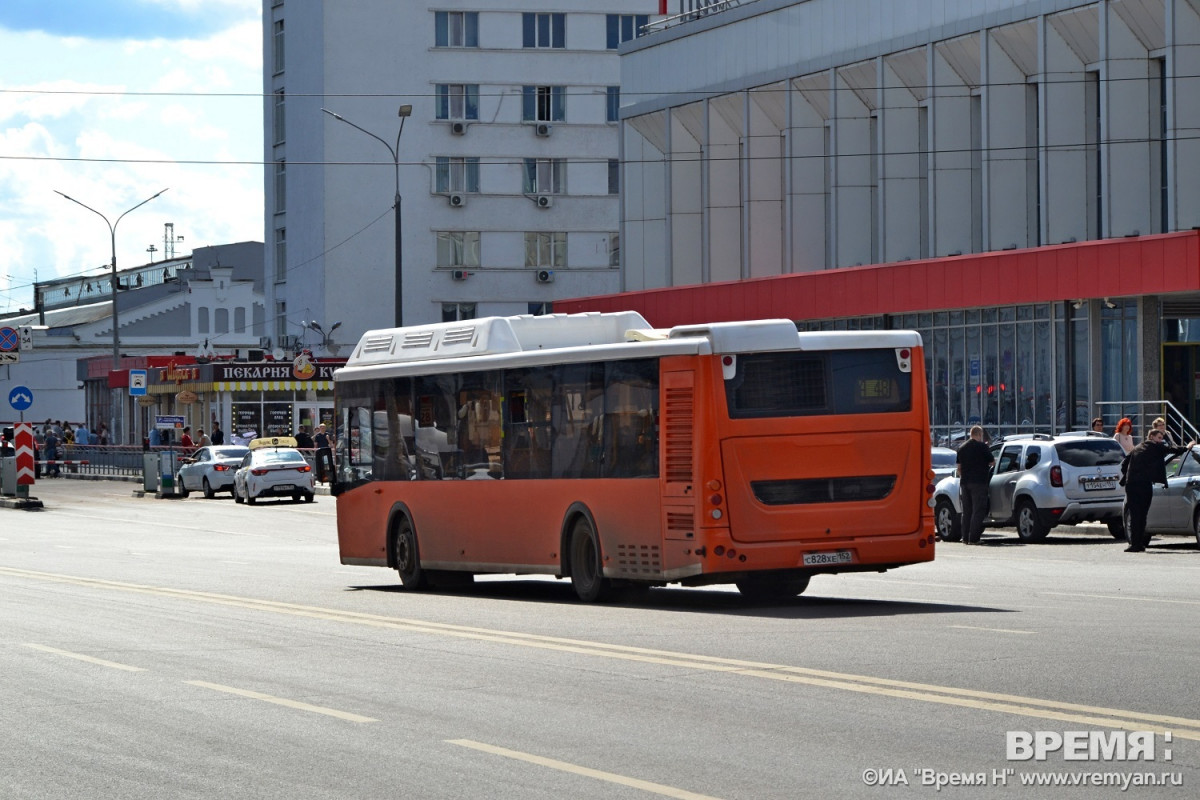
282,371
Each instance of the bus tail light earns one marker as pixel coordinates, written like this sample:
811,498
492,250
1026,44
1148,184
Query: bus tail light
904,359
1056,476
716,499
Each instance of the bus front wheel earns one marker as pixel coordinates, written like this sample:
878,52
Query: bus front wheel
587,576
407,556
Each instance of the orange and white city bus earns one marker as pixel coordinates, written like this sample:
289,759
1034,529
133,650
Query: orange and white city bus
595,448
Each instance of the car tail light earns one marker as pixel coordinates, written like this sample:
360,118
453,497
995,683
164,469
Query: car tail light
259,471
305,468
220,467
1056,476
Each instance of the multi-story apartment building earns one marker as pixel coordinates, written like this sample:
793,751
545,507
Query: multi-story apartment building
496,129
1017,179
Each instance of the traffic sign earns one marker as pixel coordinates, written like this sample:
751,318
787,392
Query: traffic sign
9,340
20,398
10,358
137,383
25,332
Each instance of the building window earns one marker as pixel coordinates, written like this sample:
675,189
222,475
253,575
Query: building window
278,118
614,249
278,45
538,309
202,320
280,186
456,29
543,103
458,101
239,320
280,321
221,321
457,174
544,175
614,176
280,255
612,108
545,249
458,248
544,30
623,27
453,312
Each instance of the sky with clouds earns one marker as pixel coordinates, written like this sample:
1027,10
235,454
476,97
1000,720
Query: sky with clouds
111,101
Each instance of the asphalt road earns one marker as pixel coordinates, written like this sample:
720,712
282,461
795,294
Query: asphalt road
195,648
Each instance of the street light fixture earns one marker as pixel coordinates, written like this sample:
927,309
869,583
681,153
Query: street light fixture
404,113
114,418
326,337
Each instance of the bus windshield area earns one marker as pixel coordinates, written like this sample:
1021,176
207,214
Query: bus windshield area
796,384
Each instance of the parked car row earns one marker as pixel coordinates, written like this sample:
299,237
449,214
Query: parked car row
268,467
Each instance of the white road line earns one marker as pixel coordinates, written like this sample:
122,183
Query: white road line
280,701
587,772
80,657
1124,597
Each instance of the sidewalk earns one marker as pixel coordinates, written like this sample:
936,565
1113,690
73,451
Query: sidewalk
32,503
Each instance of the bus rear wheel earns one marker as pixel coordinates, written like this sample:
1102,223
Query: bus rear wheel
407,556
772,587
587,576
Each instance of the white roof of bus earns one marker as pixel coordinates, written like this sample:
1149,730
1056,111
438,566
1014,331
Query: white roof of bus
493,342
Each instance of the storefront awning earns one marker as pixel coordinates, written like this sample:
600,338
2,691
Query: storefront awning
271,386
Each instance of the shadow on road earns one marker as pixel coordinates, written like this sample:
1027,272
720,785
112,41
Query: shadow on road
700,601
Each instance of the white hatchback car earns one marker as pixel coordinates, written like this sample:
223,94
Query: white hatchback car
273,467
210,470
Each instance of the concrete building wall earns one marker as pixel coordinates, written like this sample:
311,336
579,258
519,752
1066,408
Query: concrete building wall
881,131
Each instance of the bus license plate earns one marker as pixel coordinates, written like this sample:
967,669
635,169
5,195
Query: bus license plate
821,559
1098,484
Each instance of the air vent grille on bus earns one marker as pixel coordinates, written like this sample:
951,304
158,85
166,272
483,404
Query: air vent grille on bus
417,339
459,335
378,344
823,490
638,560
680,412
682,524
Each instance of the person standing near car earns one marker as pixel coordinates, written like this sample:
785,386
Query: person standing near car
974,471
1145,466
1124,435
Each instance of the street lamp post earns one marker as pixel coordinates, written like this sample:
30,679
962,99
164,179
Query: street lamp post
404,113
114,418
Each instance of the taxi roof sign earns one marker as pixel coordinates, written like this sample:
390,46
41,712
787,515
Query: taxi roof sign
272,441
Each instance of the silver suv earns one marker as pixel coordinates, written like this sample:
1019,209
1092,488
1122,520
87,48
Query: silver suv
1040,481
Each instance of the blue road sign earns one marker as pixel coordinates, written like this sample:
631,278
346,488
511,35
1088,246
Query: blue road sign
20,398
10,341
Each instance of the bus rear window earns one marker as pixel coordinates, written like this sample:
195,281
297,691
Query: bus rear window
794,384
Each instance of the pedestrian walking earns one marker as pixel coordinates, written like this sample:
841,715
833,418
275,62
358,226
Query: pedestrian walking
974,471
1142,468
1124,434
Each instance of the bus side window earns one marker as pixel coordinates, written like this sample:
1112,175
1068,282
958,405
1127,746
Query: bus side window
630,446
436,435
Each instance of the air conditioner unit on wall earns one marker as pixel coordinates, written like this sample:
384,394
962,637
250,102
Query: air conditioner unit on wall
543,129
545,276
544,201
457,200
459,274
289,342
458,128
264,342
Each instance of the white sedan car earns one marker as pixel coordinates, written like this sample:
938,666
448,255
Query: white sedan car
210,470
274,468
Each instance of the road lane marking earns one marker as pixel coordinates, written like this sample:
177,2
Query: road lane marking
80,657
281,701
996,630
1180,727
587,772
1126,597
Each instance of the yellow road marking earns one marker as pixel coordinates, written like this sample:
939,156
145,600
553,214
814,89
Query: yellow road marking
280,701
996,630
1180,727
575,769
81,657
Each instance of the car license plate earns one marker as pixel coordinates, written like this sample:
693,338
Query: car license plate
284,487
821,559
1097,484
